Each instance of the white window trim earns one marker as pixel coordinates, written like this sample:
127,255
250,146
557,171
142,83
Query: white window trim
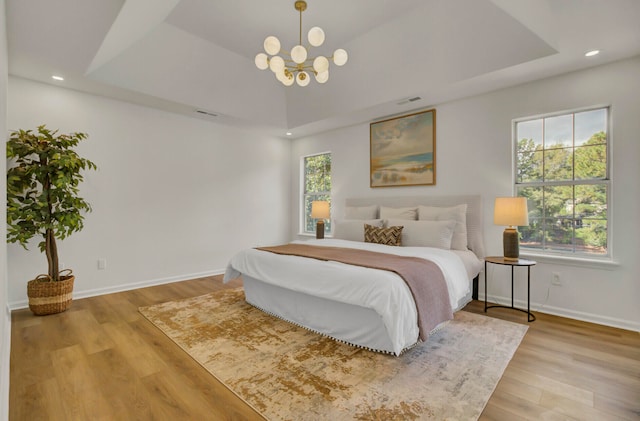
569,260
576,259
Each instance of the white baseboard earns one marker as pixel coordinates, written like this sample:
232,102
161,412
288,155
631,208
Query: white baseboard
5,354
16,305
556,311
571,314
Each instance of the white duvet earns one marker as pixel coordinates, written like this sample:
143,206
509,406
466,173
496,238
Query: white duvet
383,291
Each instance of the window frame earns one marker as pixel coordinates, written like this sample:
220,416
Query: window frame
559,256
303,195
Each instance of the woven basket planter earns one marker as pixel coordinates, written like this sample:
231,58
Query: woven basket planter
49,297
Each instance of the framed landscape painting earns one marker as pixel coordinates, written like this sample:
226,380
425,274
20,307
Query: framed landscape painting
403,150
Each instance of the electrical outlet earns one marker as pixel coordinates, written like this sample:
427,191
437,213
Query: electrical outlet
555,279
102,263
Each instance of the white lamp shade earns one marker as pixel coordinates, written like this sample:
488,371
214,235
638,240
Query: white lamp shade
511,211
315,36
303,79
276,64
322,77
299,54
262,61
340,57
320,64
272,45
320,209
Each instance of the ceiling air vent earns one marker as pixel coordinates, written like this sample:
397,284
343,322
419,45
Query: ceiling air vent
206,113
408,100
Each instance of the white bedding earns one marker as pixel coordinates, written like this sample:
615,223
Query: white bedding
382,291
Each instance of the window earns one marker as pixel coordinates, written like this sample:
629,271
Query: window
316,186
562,168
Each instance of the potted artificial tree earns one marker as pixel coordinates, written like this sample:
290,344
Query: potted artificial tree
42,200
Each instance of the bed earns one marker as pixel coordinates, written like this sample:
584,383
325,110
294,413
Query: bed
361,306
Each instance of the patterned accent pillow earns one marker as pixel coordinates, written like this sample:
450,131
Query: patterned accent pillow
390,236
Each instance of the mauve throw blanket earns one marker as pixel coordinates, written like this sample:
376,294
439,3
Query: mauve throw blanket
423,277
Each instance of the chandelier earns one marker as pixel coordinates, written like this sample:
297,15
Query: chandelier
296,65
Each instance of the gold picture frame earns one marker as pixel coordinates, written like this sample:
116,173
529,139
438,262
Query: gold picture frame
403,150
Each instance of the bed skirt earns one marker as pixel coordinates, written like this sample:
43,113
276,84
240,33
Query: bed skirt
355,325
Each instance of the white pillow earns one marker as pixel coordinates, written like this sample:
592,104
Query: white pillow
425,233
361,212
352,229
398,213
457,213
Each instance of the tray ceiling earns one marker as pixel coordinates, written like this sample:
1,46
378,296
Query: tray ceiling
189,55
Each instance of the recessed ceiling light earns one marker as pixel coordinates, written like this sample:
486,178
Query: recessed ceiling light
289,133
57,77
592,53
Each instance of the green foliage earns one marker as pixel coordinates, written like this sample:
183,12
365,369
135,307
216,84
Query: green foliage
43,176
317,173
564,216
591,159
529,161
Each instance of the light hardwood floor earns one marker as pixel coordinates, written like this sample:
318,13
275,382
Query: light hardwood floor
101,360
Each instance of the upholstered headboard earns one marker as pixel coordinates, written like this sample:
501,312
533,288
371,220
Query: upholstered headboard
475,237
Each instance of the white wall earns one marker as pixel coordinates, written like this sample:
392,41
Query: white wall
474,156
173,198
5,316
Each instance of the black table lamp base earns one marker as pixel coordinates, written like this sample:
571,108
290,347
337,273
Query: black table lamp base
511,244
320,230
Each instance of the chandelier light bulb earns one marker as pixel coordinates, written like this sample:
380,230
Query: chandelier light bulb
262,61
303,79
288,79
340,57
276,64
320,64
316,36
322,77
272,45
299,54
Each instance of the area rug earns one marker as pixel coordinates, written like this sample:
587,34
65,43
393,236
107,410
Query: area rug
288,373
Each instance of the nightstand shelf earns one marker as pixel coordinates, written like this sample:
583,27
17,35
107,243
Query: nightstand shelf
499,260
